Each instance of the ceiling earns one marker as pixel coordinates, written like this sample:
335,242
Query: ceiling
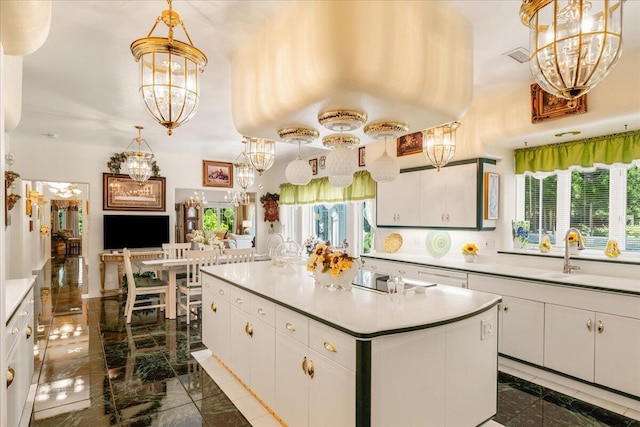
81,86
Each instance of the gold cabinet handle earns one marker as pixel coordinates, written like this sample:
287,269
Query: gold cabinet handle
304,365
29,331
239,301
589,324
330,347
248,329
600,326
24,313
261,312
14,330
214,307
506,307
11,374
402,272
291,327
374,267
221,291
310,369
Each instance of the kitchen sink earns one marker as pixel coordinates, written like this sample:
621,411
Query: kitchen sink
554,276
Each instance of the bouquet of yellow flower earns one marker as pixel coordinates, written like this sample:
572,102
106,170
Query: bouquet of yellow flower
545,244
572,238
330,260
612,250
470,249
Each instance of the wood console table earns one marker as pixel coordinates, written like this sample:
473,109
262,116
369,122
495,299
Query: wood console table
117,257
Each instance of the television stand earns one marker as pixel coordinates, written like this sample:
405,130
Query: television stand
117,257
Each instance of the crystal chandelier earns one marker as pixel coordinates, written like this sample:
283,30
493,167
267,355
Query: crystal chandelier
169,73
261,153
574,44
197,201
299,171
237,198
439,144
64,190
385,168
139,163
343,160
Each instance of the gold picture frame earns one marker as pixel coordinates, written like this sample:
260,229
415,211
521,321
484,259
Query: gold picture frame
314,166
545,106
409,144
217,174
362,156
121,193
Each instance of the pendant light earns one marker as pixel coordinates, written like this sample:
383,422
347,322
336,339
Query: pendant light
298,172
439,144
385,168
169,73
261,153
139,163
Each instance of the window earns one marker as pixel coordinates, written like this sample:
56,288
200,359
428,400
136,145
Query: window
218,218
602,202
330,223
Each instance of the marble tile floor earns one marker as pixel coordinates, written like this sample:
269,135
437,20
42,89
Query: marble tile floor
92,369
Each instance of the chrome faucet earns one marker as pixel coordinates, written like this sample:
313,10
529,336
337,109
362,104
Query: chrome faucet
568,268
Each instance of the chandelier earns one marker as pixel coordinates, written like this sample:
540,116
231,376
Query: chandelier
574,44
64,190
385,168
261,153
342,161
197,201
299,171
439,144
139,163
169,73
237,198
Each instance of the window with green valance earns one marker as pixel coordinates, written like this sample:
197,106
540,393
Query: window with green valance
608,149
319,190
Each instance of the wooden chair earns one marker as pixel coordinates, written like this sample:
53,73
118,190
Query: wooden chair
190,290
143,286
175,250
235,256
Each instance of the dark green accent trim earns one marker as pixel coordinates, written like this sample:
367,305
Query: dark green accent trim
456,163
363,383
562,374
581,258
349,331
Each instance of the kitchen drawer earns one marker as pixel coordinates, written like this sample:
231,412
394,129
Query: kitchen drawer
22,318
292,324
216,287
239,299
379,266
263,310
333,344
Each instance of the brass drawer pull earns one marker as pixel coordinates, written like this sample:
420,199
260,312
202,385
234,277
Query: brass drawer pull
11,374
221,291
214,308
239,301
29,331
600,326
330,347
506,307
310,369
261,312
589,325
248,329
304,365
291,327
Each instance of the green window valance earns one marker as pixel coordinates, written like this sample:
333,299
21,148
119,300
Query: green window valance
319,190
608,149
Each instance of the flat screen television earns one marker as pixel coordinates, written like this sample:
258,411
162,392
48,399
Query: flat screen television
135,231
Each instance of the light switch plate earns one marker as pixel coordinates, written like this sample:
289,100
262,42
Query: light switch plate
486,328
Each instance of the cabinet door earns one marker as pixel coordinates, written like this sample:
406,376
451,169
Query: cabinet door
522,334
461,195
263,362
292,381
569,341
240,348
215,324
14,402
332,393
617,363
432,197
397,201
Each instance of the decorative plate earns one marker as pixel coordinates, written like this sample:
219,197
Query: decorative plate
392,243
438,243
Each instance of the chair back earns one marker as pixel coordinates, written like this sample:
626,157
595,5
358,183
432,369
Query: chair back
128,269
273,242
196,260
175,250
235,256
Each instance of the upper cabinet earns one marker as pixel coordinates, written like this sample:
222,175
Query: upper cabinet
424,197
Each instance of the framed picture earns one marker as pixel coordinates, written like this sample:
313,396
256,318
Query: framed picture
121,193
217,174
491,195
314,166
545,106
361,156
409,144
323,162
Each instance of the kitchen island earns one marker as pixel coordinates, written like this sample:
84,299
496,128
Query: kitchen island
341,358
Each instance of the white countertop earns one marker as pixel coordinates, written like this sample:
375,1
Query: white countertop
575,279
359,312
15,291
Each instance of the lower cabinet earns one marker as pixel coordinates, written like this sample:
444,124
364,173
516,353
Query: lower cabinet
521,329
216,315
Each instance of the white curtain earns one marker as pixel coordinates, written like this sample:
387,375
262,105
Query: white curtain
370,215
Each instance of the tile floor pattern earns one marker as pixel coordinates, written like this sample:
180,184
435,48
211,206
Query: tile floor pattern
92,369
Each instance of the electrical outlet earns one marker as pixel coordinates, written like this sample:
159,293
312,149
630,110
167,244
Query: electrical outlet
490,244
486,328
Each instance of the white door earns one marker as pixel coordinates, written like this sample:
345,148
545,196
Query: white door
617,360
215,325
569,341
332,393
522,334
263,362
240,348
397,201
461,195
292,381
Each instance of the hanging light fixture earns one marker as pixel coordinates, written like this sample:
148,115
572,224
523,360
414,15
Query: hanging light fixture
342,161
139,163
574,44
385,168
439,144
261,153
197,201
237,198
169,73
299,171
245,174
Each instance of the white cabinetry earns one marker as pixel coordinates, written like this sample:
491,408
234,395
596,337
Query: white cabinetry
521,329
397,201
216,317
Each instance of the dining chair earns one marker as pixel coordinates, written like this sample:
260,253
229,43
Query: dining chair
235,256
190,289
143,286
175,250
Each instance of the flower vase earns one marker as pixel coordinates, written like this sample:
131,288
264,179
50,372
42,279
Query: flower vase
573,249
344,280
322,279
469,257
520,233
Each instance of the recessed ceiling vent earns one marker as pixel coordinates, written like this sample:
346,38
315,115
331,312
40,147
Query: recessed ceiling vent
519,54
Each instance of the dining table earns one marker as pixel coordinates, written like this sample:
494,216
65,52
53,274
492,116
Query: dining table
171,267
